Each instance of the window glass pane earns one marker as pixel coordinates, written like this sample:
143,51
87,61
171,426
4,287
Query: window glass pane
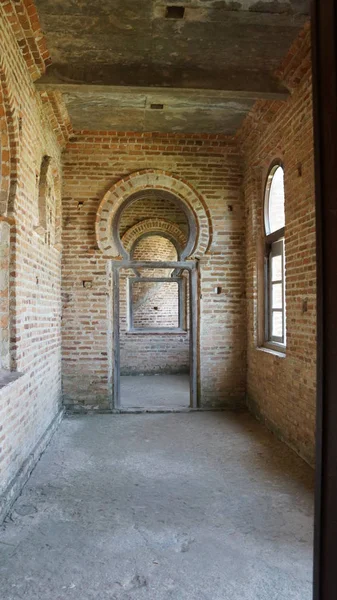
277,324
277,300
276,268
276,201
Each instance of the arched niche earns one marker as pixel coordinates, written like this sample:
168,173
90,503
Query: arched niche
49,202
9,134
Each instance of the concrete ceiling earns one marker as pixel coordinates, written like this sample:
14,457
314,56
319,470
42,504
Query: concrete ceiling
113,60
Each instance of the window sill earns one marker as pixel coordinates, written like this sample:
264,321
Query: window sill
156,332
280,352
8,377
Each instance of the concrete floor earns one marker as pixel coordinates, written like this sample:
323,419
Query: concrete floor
155,391
191,506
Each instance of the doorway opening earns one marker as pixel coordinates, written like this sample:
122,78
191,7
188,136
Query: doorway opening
155,330
154,335
154,235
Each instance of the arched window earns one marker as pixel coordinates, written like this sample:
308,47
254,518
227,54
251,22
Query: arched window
274,276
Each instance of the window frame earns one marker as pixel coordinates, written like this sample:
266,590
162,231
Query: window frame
271,240
181,306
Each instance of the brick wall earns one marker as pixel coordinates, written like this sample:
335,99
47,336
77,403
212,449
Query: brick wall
152,353
145,209
211,163
154,305
5,230
154,247
281,391
29,403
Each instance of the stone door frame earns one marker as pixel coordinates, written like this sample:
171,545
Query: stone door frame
192,268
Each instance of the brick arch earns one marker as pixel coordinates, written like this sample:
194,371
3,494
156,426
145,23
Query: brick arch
157,183
9,132
153,226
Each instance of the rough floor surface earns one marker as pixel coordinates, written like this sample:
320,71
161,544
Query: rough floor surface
192,506
155,391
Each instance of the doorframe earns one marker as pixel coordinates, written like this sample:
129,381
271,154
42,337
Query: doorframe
324,55
192,267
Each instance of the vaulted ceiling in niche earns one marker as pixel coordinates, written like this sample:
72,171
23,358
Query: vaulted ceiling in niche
127,65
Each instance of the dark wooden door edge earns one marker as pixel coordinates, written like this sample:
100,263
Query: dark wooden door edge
324,38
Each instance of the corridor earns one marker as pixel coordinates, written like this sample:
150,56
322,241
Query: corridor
191,506
156,392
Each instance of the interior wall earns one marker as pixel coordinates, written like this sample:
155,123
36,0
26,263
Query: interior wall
282,390
30,394
212,164
155,304
150,208
150,353
146,352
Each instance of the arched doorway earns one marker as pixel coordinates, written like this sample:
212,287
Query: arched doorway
154,228
152,333
154,327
